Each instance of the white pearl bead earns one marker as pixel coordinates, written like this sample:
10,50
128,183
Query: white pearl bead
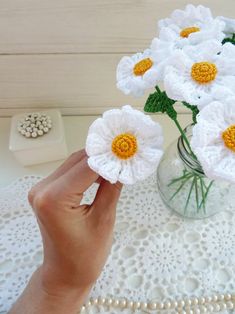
136,305
101,301
203,309
160,305
40,132
208,299
216,307
210,307
83,309
228,297
27,134
188,302
215,298
45,129
167,305
122,303
230,305
223,306
221,297
174,304
34,134
88,304
181,303
196,311
195,301
144,306
189,311
201,300
109,301
116,303
152,305
129,304
95,302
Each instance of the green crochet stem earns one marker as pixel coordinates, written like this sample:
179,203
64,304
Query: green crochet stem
160,102
196,187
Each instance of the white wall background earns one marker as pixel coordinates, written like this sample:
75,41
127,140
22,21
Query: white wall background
63,53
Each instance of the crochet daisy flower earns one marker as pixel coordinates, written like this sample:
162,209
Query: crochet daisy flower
124,145
190,26
213,139
139,72
200,74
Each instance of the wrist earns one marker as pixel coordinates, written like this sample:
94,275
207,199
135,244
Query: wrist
63,294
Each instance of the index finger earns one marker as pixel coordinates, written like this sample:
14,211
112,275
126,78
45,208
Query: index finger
75,181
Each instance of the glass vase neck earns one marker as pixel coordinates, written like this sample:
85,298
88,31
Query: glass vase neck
190,160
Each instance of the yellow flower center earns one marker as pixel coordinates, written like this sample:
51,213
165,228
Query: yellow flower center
142,66
124,145
229,137
204,72
189,30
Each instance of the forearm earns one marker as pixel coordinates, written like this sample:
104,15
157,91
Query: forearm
36,300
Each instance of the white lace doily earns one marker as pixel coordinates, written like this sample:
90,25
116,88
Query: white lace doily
156,255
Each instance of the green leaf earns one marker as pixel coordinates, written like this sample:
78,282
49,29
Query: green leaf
160,102
229,40
194,110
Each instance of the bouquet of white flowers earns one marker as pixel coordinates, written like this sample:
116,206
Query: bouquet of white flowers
194,58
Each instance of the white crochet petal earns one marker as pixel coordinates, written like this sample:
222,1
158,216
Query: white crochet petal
95,144
100,128
225,61
124,68
209,157
153,76
205,134
225,169
142,168
213,114
127,175
174,83
217,160
205,51
229,24
151,155
106,165
115,121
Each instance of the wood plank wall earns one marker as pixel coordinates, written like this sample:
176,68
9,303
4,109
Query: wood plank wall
63,53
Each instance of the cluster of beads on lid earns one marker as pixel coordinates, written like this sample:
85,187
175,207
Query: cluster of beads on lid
34,125
213,304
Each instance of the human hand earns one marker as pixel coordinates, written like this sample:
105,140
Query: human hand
76,238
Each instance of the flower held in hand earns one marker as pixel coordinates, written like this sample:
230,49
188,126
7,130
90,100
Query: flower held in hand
124,145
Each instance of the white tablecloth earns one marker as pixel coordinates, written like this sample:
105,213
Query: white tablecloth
156,255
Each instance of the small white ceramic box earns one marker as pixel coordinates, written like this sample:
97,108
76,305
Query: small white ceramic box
49,147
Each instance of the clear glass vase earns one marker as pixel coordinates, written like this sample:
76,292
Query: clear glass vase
185,188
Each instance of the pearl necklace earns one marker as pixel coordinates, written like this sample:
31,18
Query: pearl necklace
213,304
